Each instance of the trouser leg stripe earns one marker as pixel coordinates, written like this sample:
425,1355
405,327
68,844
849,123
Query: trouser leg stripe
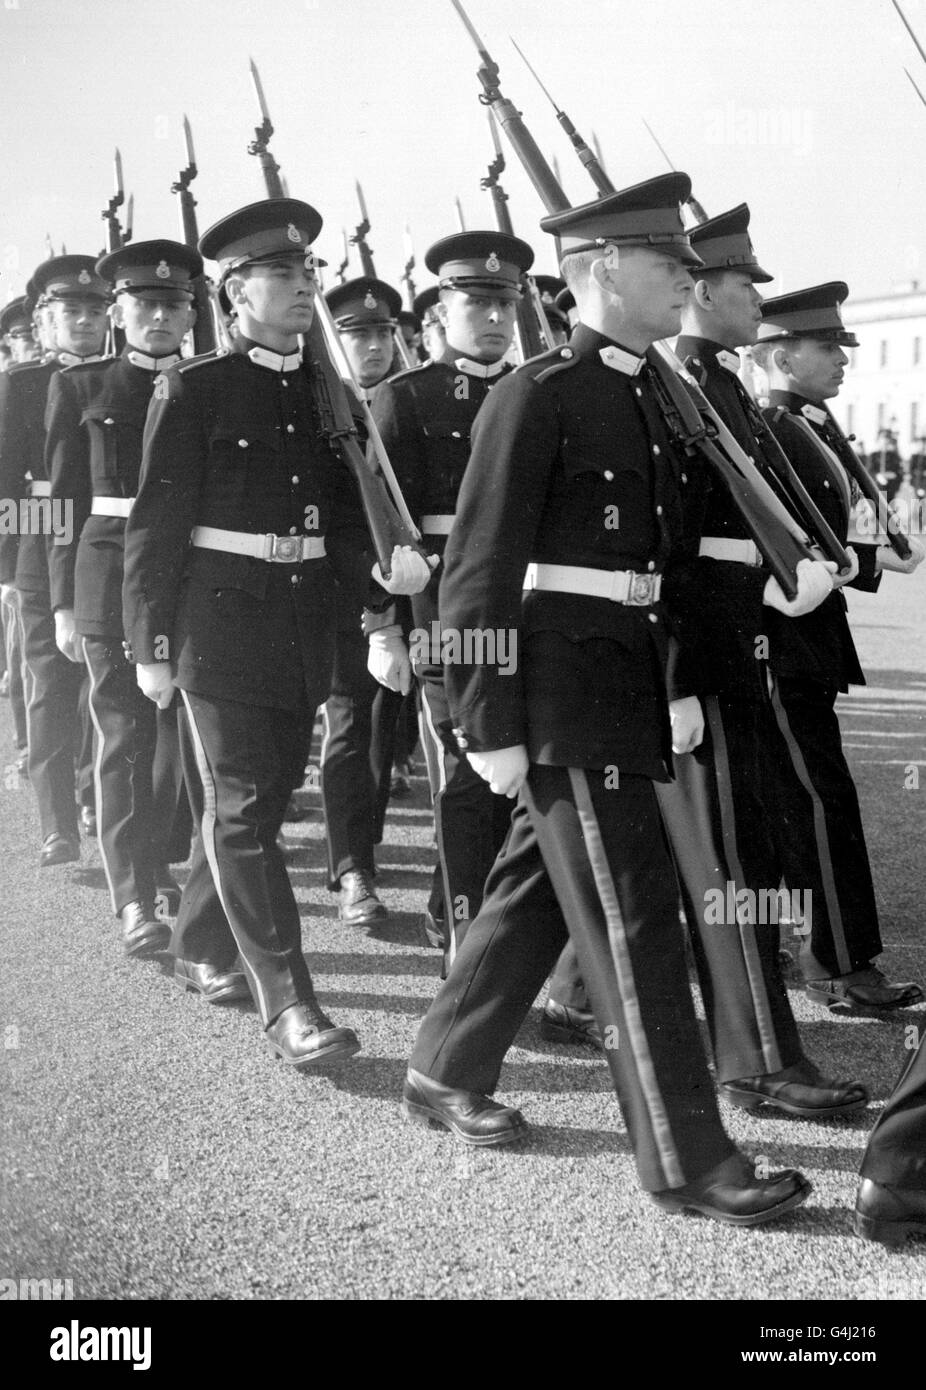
830,894
747,933
207,831
435,760
623,968
98,773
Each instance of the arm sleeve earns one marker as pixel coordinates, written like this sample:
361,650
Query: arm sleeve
11,474
157,535
67,462
515,443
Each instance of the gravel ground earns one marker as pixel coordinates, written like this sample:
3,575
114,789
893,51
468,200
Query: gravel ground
151,1148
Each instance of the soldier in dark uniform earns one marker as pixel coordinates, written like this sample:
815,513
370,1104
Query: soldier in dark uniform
891,1200
801,342
729,796
572,439
96,417
74,297
360,713
241,522
17,333
424,417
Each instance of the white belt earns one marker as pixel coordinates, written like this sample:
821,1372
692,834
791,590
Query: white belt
620,586
284,550
436,525
40,488
720,548
111,506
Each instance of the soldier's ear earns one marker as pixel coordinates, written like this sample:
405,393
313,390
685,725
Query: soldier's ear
702,294
601,270
782,360
116,315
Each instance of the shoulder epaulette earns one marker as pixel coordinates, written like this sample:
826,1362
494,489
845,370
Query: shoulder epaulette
201,359
696,368
407,372
547,364
82,368
16,367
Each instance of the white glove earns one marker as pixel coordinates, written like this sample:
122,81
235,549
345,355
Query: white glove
840,579
503,768
888,559
814,584
156,681
410,571
687,720
66,639
8,595
388,661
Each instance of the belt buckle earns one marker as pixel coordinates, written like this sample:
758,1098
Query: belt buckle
287,549
642,589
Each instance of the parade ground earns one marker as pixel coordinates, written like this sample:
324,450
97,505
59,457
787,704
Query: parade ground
152,1148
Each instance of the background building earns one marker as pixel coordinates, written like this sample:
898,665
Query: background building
885,386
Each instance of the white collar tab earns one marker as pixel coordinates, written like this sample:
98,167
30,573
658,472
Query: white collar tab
619,360
483,369
152,364
275,361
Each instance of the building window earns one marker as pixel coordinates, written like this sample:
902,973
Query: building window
883,352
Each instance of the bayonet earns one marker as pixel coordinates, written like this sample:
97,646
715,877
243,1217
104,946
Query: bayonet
461,220
915,87
697,211
359,239
909,29
588,157
208,328
259,145
409,266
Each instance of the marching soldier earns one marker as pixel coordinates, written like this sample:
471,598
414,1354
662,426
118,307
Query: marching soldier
96,418
425,416
581,727
360,713
17,333
729,796
801,348
71,294
241,522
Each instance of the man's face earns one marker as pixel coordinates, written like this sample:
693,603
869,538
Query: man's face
737,308
477,325
412,337
152,325
816,368
21,342
78,325
652,288
369,351
275,298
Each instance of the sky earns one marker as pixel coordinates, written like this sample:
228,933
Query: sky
799,107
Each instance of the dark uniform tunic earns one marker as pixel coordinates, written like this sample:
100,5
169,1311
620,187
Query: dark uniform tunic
96,418
561,445
57,732
729,795
231,442
813,659
425,417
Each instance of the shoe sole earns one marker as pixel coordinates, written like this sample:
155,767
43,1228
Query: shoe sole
337,1052
745,1100
893,1233
558,1033
432,1119
219,996
152,945
666,1202
59,859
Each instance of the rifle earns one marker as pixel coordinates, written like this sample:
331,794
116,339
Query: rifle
204,338
691,203
407,280
869,489
386,514
110,213
697,427
359,239
527,320
342,268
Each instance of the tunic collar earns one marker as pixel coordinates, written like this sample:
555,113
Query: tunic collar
151,364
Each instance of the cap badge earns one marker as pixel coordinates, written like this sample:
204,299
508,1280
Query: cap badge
369,302
493,264
293,233
309,261
163,271
84,277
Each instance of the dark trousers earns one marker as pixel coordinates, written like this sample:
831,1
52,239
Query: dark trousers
136,794
16,666
821,838
719,815
55,730
470,821
170,793
896,1152
604,853
356,760
238,899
